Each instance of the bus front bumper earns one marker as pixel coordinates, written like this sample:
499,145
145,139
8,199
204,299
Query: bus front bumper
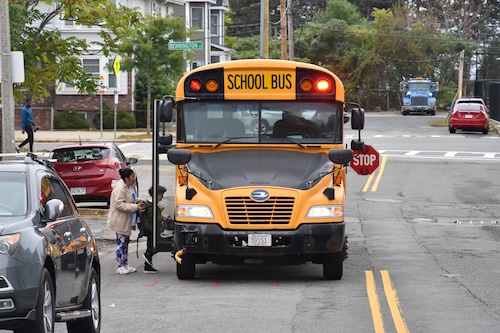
211,239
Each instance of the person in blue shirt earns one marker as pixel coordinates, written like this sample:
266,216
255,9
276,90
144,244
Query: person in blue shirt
27,125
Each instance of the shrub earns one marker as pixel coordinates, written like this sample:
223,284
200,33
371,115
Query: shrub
70,119
124,120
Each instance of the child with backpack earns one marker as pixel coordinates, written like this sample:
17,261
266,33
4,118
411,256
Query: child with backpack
147,227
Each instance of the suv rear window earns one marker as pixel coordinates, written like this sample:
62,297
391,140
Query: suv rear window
80,154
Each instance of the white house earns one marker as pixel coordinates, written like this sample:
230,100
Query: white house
207,15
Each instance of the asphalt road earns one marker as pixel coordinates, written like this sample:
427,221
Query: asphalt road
423,253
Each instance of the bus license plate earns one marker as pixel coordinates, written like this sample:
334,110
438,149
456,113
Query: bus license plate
259,240
77,190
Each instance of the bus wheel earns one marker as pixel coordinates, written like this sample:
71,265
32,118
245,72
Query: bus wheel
333,265
187,269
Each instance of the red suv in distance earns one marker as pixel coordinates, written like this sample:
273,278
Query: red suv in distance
88,169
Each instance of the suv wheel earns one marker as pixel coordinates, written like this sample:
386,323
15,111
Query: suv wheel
92,302
45,314
264,127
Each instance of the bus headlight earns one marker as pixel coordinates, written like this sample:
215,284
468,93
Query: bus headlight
194,211
329,211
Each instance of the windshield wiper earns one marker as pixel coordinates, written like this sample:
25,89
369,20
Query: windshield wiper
293,141
230,139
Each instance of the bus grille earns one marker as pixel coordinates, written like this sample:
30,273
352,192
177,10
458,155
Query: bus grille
275,210
420,100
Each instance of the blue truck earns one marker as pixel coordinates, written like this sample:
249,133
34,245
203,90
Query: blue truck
418,95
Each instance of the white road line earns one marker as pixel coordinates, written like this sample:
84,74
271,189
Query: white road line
413,153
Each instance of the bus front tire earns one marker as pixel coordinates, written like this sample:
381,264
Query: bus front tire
187,269
333,265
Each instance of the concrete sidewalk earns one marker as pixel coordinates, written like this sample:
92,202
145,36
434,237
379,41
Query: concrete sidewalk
85,135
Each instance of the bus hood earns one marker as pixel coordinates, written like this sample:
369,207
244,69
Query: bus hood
226,169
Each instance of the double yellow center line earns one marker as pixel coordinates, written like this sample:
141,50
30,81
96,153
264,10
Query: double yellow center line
379,176
392,300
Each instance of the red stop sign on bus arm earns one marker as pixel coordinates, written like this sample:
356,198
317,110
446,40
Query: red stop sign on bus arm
365,161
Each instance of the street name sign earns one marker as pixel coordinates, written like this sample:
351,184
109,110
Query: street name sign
184,45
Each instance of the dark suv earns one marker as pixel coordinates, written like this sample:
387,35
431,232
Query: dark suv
49,265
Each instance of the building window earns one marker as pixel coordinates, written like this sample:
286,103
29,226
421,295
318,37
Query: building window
112,79
214,24
91,66
197,17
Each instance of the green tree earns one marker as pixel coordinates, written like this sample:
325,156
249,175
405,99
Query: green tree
50,58
148,53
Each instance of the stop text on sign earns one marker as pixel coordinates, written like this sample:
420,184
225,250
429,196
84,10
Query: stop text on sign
365,160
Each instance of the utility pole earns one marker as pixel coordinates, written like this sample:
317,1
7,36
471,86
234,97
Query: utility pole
460,75
289,20
8,135
264,29
283,15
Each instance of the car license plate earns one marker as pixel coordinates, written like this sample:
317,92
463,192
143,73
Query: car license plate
468,116
77,190
259,240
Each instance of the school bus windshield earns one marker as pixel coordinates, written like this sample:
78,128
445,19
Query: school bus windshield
304,122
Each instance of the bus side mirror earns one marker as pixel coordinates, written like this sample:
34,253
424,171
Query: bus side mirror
357,145
165,108
178,156
164,143
340,156
357,118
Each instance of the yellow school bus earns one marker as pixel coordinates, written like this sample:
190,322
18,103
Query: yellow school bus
261,165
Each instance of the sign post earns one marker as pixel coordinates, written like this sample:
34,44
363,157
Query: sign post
366,161
101,92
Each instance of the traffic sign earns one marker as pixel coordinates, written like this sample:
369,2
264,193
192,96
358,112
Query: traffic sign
184,45
365,161
116,66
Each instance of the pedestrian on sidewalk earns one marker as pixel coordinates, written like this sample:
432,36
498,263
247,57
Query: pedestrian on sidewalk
27,125
147,227
121,207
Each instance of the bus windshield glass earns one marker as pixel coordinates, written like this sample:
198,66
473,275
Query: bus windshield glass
304,122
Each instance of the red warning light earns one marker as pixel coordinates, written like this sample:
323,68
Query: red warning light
323,85
195,85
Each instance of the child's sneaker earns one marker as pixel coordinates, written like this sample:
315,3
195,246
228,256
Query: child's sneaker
167,233
148,269
130,269
122,270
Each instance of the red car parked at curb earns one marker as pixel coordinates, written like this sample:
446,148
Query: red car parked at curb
89,168
469,117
